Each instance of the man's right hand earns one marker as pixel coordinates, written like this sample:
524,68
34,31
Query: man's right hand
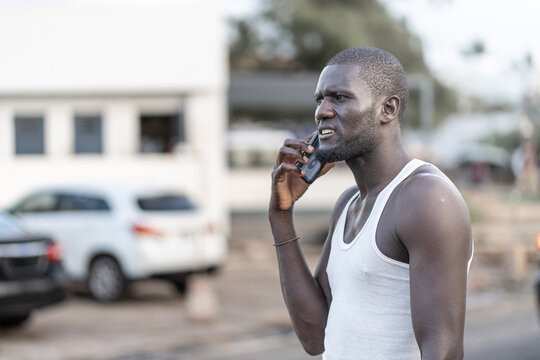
287,183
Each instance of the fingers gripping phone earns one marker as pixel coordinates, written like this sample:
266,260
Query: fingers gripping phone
314,166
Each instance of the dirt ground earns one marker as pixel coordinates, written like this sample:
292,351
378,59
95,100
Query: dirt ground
505,225
501,216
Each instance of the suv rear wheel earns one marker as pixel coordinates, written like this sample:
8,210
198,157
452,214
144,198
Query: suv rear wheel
181,285
14,321
106,282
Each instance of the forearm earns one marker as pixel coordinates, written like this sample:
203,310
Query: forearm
303,296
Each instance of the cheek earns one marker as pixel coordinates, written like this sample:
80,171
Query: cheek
367,110
367,114
359,115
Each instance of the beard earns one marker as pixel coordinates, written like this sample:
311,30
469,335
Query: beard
358,145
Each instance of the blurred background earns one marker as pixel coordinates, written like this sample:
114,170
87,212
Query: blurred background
181,106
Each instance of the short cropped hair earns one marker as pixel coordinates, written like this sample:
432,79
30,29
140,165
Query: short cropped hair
381,71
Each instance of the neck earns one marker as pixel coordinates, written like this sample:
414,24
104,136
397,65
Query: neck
373,172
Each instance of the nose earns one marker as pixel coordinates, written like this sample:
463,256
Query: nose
324,111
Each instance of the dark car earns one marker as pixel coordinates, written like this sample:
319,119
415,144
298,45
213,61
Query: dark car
31,273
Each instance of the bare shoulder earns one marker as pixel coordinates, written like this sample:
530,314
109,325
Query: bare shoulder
429,187
432,211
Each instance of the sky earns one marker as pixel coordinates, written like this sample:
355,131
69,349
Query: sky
447,27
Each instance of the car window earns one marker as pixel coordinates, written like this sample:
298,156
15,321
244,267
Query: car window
70,202
165,203
37,203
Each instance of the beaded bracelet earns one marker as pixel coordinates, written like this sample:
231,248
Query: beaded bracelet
286,242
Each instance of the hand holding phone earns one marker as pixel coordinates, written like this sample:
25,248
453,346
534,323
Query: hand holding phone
314,166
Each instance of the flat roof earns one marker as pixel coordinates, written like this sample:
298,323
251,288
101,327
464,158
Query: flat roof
283,91
268,91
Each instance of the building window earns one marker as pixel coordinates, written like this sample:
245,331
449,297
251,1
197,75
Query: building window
88,134
29,135
161,133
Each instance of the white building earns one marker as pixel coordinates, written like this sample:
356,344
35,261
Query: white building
113,93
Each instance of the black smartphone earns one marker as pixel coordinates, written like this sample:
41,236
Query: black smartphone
314,166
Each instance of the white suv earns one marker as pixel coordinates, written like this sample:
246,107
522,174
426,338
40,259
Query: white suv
113,234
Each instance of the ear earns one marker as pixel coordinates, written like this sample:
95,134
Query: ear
390,109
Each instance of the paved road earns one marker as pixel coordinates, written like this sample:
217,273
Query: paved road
507,330
499,327
504,330
252,323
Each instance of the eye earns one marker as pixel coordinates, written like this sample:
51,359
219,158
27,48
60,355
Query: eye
340,97
318,100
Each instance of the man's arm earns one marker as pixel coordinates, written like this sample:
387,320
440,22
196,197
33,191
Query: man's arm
305,297
435,228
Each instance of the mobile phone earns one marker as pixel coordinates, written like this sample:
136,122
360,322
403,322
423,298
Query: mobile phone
314,166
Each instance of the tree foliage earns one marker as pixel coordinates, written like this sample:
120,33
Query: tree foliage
302,35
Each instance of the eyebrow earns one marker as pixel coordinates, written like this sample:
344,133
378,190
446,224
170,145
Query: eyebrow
333,91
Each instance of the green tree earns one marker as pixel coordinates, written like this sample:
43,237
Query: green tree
302,35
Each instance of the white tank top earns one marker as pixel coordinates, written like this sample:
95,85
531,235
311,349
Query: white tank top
370,314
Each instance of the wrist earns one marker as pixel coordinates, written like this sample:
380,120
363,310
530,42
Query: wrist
276,215
285,242
281,223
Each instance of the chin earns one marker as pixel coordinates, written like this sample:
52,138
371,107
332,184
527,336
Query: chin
329,155
340,153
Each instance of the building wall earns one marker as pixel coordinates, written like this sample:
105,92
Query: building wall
120,160
53,47
117,61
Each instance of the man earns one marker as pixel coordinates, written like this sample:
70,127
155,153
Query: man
391,280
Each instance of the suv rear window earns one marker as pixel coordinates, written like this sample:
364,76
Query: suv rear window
69,202
165,203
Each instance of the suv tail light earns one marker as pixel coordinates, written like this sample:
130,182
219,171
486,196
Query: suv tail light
54,252
538,241
146,230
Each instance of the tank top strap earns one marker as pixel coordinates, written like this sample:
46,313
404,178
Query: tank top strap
378,207
384,195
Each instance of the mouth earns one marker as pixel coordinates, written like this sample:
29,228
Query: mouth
325,133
